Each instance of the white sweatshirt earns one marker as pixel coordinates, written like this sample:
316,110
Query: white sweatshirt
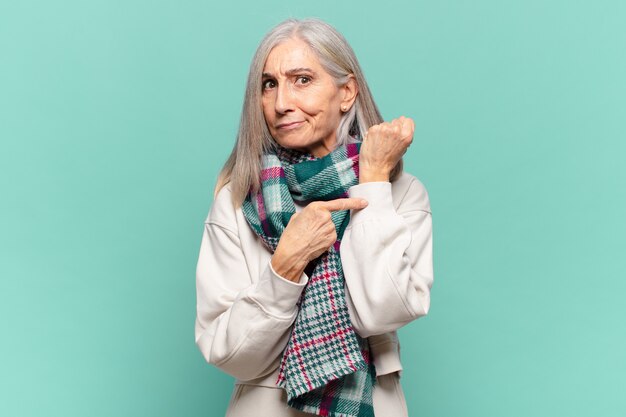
245,310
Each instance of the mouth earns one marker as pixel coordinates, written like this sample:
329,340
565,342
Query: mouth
288,126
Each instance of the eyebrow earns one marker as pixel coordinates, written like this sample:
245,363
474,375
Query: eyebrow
291,72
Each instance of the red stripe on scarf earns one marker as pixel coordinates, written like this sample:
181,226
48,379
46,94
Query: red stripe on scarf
331,296
297,346
301,362
271,173
262,214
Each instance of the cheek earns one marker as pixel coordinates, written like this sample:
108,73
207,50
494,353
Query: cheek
314,104
267,113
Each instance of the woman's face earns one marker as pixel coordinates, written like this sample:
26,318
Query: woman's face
301,103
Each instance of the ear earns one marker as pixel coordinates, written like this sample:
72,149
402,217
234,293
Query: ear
349,91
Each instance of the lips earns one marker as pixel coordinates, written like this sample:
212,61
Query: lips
289,125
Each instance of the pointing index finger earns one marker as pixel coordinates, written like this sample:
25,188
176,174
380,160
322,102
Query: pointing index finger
344,204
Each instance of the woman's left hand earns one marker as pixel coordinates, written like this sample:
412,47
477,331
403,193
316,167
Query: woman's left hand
382,148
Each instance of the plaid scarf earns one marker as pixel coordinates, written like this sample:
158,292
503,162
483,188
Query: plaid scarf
326,367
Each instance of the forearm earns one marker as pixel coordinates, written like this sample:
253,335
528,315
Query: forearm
387,261
242,324
288,266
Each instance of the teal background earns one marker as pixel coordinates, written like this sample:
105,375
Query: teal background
115,117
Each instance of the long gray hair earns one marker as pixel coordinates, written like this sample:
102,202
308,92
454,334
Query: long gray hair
243,167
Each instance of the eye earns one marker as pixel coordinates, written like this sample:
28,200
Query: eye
304,79
268,84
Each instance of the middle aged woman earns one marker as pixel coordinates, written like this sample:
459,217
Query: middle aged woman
318,247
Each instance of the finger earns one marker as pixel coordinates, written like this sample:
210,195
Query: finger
410,123
399,125
330,230
332,237
373,129
408,129
344,204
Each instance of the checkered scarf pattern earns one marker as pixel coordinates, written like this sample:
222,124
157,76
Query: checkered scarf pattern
326,367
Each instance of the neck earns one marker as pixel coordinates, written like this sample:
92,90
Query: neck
322,149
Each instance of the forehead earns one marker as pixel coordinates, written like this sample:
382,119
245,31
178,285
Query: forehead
292,53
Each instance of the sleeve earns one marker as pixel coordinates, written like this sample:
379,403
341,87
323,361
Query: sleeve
387,258
242,325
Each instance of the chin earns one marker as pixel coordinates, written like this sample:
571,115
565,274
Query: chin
291,142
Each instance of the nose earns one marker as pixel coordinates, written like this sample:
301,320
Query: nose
284,99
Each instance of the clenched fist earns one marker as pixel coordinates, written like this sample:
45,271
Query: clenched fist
308,234
382,147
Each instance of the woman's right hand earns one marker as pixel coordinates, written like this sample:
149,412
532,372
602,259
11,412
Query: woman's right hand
308,234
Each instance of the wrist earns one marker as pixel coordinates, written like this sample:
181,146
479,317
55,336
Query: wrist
370,173
369,176
288,267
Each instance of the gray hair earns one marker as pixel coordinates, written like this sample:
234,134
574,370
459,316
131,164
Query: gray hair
243,167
